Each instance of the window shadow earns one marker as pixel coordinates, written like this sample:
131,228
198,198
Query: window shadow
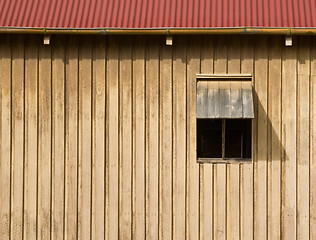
267,132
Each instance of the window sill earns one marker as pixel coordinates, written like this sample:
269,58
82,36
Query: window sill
221,160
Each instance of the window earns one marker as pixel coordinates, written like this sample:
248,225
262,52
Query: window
224,139
224,118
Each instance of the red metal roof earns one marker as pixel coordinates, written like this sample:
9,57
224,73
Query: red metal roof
157,13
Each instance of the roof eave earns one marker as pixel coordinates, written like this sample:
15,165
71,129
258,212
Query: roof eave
161,31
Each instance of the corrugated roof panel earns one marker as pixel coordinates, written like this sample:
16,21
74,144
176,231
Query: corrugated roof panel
157,13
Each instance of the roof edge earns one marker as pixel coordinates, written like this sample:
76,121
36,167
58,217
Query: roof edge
160,31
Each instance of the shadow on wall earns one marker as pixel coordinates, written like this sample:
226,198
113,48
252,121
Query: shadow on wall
267,130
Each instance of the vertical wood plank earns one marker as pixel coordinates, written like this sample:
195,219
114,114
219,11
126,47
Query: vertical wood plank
213,93
58,148
274,139
179,140
44,143
220,200
203,109
246,172
152,140
233,223
182,201
98,180
303,144
312,171
234,56
261,158
213,87
206,170
139,179
247,100
113,138
71,144
193,177
84,176
165,176
5,137
126,139
289,90
236,98
17,148
30,184
107,145
224,99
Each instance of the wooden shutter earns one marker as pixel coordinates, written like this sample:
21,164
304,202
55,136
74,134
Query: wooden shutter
224,99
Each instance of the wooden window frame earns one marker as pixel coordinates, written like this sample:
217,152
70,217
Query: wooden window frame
224,77
228,160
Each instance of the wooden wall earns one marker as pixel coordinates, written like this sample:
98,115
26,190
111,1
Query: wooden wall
98,139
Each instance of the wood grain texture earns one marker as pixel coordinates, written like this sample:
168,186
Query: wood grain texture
247,99
261,156
126,140
85,140
58,144
98,138
179,141
204,96
44,143
5,140
206,170
193,177
113,138
224,99
220,170
165,176
236,100
139,178
152,140
289,131
246,171
71,140
30,167
236,110
98,149
274,140
17,148
312,150
303,138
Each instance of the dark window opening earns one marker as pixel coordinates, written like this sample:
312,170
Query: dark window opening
224,138
238,138
210,138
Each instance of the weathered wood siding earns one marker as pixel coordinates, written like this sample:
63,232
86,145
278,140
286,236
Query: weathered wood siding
98,139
